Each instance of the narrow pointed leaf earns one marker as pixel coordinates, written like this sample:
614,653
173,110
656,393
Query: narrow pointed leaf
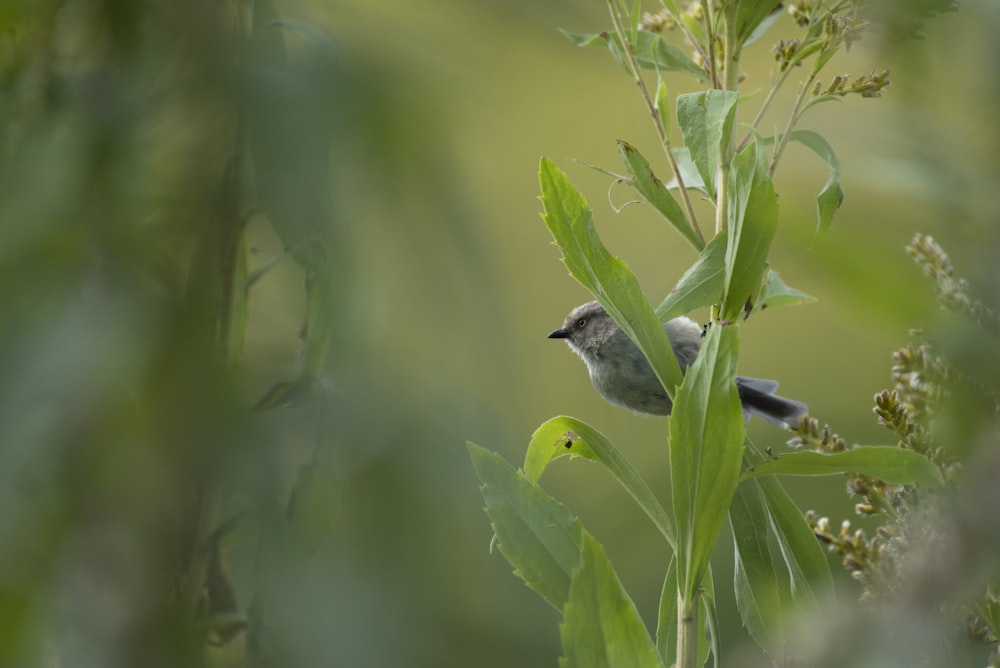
653,190
536,534
808,568
601,626
776,293
758,597
710,643
586,39
753,221
832,195
751,13
701,284
654,52
607,277
565,436
666,619
894,465
706,439
763,27
663,107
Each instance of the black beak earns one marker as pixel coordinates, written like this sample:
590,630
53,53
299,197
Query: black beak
559,334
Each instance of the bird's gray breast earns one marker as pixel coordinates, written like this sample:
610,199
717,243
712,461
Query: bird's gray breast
622,375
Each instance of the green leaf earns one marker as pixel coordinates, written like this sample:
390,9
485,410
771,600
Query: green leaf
689,172
706,121
820,99
775,293
318,45
565,436
315,502
758,597
653,52
666,618
666,622
663,108
536,534
706,438
634,16
752,223
608,278
655,193
832,195
290,134
701,284
708,619
892,464
750,14
601,626
808,569
762,27
239,305
586,39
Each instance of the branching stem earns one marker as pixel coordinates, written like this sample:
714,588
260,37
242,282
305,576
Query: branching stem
636,72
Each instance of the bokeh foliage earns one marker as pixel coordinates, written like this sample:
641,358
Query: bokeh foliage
118,123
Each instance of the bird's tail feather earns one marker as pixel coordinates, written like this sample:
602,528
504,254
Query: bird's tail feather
758,398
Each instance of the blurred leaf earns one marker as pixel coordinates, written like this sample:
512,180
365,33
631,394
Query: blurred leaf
706,120
290,134
764,25
634,17
537,535
586,39
319,47
565,436
775,293
601,626
832,195
608,278
666,618
753,220
314,503
239,304
706,438
808,568
758,598
820,99
652,51
892,464
655,193
701,284
663,107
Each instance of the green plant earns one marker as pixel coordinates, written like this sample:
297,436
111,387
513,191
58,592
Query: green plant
139,142
714,470
927,549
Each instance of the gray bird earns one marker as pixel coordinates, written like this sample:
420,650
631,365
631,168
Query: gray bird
622,375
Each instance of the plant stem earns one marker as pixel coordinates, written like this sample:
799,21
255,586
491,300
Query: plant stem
636,72
710,24
793,118
731,72
763,108
687,632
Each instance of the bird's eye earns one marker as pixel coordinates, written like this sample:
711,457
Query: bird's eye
581,323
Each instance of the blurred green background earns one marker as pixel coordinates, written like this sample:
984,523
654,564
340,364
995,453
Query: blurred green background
112,404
